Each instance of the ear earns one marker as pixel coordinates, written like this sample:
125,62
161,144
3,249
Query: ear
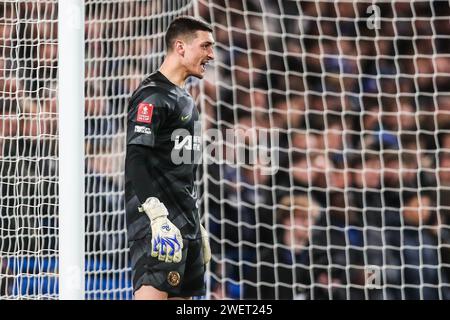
180,47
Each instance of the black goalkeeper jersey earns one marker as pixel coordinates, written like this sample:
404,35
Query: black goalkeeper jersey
163,146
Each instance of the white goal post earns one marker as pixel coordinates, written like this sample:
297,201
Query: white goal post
71,148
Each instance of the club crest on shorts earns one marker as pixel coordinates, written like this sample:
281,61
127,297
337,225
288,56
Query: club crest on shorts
173,278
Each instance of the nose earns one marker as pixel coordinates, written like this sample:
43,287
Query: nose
211,54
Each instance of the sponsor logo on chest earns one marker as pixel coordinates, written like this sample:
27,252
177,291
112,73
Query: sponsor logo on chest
142,129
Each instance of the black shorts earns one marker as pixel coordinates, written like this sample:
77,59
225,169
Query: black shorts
182,279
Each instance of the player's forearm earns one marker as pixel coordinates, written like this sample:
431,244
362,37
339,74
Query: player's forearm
138,171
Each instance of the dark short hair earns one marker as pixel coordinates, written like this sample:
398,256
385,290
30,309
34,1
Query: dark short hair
410,193
184,26
358,159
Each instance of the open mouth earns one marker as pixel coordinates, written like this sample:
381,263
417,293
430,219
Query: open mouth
203,65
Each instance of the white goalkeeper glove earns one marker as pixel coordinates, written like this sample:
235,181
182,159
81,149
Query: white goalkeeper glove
167,243
205,245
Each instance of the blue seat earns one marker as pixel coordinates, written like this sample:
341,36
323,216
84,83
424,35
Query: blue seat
38,277
31,265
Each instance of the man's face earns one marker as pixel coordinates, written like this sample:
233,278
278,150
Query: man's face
198,52
417,211
391,173
444,170
368,175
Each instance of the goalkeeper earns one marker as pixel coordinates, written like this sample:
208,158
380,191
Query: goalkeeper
168,246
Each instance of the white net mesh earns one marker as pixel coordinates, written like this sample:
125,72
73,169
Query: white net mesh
28,126
359,206
358,90
124,42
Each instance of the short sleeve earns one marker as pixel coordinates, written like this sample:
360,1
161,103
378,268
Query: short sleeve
145,118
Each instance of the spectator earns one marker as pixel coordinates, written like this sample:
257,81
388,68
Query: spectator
286,268
417,253
249,219
8,167
371,215
5,278
443,111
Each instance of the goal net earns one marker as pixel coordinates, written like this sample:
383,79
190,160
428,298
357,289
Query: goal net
357,205
329,122
124,41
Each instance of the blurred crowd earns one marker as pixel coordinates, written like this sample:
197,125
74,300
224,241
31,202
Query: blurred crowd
363,112
362,106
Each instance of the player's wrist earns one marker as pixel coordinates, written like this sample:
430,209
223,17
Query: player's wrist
155,209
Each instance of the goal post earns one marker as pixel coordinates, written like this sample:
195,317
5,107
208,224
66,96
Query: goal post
71,149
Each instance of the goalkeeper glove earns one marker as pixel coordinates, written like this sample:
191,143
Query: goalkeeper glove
205,245
167,243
